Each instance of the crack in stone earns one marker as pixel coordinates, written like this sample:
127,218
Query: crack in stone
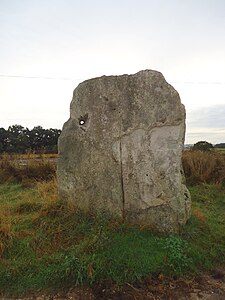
122,183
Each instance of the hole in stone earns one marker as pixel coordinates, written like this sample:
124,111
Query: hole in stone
146,174
83,119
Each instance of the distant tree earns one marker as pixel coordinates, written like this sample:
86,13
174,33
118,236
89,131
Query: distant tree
18,139
203,146
44,139
3,140
221,145
51,138
36,138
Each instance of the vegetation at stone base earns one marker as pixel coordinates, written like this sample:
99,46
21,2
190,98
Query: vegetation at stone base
204,166
45,243
17,139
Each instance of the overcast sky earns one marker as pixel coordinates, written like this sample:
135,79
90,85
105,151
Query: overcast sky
48,46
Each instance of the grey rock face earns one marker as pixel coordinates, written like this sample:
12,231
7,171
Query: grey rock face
121,149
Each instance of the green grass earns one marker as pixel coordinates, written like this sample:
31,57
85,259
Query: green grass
47,244
219,149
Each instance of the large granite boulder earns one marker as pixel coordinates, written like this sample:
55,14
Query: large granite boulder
121,149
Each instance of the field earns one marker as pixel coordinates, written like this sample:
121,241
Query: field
47,244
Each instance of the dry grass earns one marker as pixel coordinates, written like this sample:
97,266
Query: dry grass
204,166
6,232
199,167
48,191
199,215
18,169
24,211
27,156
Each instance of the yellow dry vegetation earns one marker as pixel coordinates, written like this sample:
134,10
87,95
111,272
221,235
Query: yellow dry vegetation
204,166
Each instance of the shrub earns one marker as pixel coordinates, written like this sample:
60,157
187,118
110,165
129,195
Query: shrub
203,146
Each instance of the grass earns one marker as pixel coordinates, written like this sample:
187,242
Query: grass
204,166
219,149
45,243
26,169
28,156
206,230
199,167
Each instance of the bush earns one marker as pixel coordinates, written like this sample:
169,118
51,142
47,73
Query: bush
203,146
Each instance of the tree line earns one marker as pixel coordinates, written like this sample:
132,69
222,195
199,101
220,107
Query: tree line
17,139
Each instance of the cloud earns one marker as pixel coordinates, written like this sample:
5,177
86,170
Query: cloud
207,117
214,136
207,123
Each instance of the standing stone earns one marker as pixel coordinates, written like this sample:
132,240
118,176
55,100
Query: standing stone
121,149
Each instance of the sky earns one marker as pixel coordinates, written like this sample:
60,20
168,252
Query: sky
47,47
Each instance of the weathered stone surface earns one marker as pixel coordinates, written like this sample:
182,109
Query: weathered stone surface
120,151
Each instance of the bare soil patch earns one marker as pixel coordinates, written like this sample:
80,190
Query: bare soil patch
210,286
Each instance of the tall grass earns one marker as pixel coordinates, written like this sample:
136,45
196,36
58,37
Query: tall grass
204,166
25,170
199,167
6,233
